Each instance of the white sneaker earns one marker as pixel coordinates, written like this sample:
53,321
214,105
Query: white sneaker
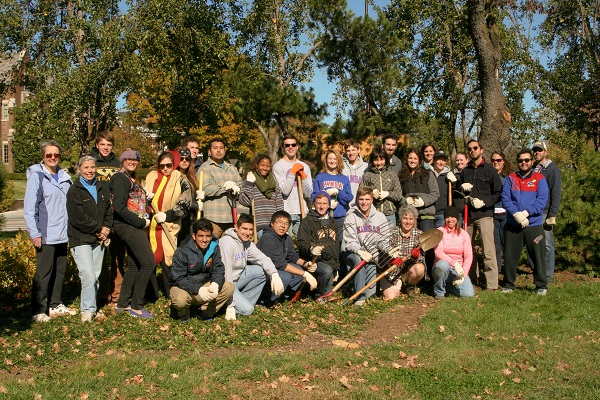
230,314
61,309
40,318
87,316
359,303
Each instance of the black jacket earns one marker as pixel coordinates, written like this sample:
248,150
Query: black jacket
487,186
105,168
86,217
279,249
189,271
310,233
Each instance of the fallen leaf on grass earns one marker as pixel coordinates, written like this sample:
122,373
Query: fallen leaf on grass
165,327
84,396
340,343
8,362
284,378
506,372
374,388
516,380
3,389
153,364
136,379
305,378
309,387
442,328
353,346
562,366
344,382
100,374
174,376
502,383
396,365
266,373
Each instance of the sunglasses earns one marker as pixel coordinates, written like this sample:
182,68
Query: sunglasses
523,160
188,159
497,160
163,166
474,148
51,155
537,150
290,144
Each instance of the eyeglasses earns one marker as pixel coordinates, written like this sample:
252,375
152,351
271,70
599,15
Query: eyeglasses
524,160
188,159
497,160
52,155
163,166
290,144
474,148
281,223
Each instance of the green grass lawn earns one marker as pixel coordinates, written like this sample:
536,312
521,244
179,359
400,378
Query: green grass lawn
493,346
19,189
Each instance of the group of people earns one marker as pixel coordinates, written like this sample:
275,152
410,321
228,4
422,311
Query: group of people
352,218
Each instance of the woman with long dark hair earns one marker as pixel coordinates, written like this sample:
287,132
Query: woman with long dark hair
502,165
186,168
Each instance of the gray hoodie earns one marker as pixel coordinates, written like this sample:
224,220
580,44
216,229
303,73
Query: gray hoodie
355,174
366,233
236,254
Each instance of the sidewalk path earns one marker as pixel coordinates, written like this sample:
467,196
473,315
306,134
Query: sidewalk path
13,221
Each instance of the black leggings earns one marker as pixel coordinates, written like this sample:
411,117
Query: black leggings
140,265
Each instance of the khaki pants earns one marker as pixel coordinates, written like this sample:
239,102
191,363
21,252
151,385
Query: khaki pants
182,300
220,227
485,226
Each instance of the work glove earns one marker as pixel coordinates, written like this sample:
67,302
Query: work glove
149,194
376,194
213,290
302,175
466,187
520,216
147,223
296,168
204,294
250,177
451,177
395,252
397,262
200,195
200,206
365,255
525,223
316,250
383,194
332,192
460,272
477,203
310,266
276,284
160,217
334,204
398,284
419,202
415,253
551,221
410,201
312,282
458,281
231,185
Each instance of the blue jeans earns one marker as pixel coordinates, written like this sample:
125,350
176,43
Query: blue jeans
391,219
248,288
444,275
439,220
291,283
89,263
324,276
363,276
293,229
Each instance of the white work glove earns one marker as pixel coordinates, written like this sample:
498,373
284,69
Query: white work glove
376,194
276,284
365,255
458,281
160,217
396,252
466,187
316,250
383,194
460,272
250,177
419,202
149,194
231,185
213,290
200,195
147,223
520,216
451,177
204,294
477,203
334,204
551,221
332,192
312,282
310,266
525,223
200,206
410,201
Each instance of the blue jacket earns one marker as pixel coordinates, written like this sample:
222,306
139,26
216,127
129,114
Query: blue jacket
528,193
325,180
193,267
45,204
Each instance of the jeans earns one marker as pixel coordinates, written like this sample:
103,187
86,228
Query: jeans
439,220
391,219
248,288
324,276
89,263
499,223
49,277
295,224
444,275
291,283
363,276
426,224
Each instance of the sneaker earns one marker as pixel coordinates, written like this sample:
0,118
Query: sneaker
439,297
359,303
60,310
506,290
87,316
541,292
121,309
40,318
143,313
230,314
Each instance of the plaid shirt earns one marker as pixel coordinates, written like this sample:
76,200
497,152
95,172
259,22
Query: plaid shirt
217,208
406,243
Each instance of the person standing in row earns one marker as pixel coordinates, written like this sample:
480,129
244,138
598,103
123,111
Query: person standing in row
501,164
428,150
445,178
354,166
220,184
131,218
45,213
188,172
389,143
286,170
90,223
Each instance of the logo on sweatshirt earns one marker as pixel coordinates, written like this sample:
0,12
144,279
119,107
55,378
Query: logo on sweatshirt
368,229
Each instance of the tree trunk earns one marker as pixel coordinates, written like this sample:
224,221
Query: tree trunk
495,116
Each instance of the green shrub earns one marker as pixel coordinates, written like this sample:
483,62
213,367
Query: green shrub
7,194
16,176
577,235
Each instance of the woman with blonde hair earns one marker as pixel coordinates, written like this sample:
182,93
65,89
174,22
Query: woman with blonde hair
337,185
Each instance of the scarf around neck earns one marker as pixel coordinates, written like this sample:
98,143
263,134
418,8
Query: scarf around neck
265,185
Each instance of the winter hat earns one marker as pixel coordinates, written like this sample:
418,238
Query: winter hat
185,153
440,154
130,155
451,211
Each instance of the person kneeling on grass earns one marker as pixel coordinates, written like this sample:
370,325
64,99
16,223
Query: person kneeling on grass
198,274
247,267
453,258
276,244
